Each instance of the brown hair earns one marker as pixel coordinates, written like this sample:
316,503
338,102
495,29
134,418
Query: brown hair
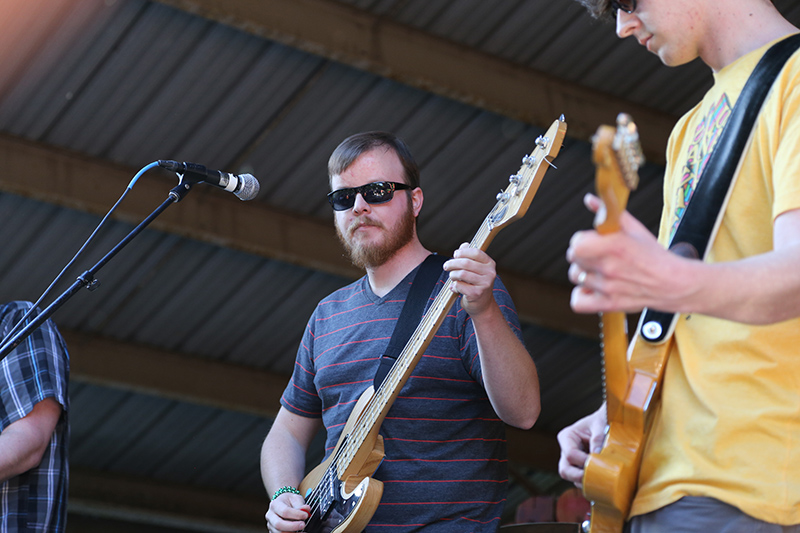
349,149
599,9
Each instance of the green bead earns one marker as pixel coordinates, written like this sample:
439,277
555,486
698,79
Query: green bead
284,490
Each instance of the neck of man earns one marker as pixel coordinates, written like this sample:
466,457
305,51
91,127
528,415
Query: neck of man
739,27
385,277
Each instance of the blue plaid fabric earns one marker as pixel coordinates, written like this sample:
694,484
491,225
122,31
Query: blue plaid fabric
37,369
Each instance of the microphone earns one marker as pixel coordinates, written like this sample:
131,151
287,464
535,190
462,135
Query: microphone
244,186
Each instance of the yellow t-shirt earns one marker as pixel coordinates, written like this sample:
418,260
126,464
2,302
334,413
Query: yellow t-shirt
728,425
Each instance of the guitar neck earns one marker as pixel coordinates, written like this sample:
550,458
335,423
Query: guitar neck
613,325
614,190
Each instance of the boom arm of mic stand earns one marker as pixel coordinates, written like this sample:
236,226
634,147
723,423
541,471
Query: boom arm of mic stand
87,279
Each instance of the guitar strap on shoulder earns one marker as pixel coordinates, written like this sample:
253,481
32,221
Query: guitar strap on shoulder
702,217
424,281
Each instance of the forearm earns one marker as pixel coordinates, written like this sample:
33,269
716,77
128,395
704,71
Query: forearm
509,373
282,462
283,454
763,289
17,455
628,271
23,443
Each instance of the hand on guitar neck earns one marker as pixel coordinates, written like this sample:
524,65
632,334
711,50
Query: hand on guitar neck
619,266
624,270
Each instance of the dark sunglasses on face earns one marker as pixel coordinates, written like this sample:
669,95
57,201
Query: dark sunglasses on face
628,6
373,193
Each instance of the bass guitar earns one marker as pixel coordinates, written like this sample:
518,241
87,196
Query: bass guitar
631,374
342,495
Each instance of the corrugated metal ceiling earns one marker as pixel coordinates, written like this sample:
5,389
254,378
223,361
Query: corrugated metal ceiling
131,81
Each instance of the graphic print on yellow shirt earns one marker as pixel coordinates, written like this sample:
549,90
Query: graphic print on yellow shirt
705,137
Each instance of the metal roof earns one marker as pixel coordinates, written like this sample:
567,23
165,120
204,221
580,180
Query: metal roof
166,426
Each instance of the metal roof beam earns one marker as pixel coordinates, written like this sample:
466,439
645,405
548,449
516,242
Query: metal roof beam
60,177
389,49
110,363
141,369
153,503
64,178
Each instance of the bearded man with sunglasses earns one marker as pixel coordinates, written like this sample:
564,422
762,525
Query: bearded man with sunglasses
724,450
445,458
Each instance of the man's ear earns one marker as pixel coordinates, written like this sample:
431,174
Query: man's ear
416,200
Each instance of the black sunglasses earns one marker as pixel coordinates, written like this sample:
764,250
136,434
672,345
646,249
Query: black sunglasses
373,193
628,6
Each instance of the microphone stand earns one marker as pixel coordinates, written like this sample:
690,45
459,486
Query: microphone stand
87,279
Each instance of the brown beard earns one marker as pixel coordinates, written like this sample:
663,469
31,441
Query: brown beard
374,255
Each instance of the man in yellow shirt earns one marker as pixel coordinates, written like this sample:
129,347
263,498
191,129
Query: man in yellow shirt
724,450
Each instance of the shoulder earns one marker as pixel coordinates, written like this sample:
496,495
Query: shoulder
14,312
45,343
14,309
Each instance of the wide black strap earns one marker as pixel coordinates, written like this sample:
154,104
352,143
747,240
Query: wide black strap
424,281
697,226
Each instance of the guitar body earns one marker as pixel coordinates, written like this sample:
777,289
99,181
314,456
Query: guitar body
611,476
347,501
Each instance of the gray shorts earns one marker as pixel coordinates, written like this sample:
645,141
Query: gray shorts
693,514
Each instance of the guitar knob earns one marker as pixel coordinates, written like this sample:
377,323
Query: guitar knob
585,526
652,330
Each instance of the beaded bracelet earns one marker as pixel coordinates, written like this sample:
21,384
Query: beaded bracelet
284,490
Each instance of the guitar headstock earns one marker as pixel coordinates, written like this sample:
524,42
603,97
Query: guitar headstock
513,202
617,155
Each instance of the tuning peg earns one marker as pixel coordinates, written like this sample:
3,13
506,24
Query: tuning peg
542,141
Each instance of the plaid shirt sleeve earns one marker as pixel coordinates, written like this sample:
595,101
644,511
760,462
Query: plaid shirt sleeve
37,369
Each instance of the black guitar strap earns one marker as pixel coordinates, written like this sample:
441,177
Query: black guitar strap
703,215
424,281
